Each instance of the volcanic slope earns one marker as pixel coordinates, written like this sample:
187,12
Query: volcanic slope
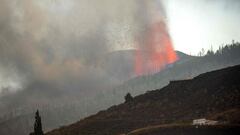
208,95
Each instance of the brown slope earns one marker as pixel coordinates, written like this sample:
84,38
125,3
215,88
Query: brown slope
180,101
179,129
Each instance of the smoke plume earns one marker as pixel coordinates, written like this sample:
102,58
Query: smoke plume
64,43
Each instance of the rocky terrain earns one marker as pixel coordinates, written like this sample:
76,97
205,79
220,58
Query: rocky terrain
214,95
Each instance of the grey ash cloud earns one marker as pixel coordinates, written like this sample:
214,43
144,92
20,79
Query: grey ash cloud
62,41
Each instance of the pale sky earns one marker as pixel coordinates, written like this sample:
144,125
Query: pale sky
196,24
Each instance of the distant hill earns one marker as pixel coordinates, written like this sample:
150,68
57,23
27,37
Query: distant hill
186,68
120,64
182,57
205,96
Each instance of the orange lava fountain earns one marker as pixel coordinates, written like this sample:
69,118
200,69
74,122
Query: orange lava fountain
157,50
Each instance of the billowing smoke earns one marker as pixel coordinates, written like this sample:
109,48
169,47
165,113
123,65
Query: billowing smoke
69,53
64,42
155,49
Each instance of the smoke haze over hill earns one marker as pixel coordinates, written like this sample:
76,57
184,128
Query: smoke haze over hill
72,58
60,41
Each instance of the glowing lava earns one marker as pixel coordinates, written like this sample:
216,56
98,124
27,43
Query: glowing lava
156,51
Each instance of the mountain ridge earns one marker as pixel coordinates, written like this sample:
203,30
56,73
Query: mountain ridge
180,101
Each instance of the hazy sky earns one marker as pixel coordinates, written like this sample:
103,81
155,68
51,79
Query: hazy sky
196,24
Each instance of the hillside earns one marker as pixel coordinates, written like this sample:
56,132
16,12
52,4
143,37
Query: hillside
186,68
120,64
18,108
207,95
180,129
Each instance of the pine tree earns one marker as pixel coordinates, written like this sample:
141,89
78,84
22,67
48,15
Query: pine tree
37,125
128,98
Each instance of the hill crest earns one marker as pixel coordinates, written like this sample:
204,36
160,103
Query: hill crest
180,101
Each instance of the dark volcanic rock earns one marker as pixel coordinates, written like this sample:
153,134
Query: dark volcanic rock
181,101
